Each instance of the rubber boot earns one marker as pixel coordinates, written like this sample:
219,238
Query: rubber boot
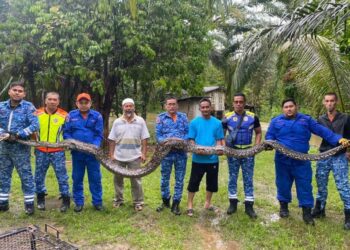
307,217
249,210
319,211
233,206
4,207
29,208
40,201
165,204
347,219
175,208
284,211
65,203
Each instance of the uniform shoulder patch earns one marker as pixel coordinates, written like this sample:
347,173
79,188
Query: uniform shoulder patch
250,113
228,114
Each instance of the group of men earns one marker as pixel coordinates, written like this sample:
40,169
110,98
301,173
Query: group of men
291,129
128,146
21,120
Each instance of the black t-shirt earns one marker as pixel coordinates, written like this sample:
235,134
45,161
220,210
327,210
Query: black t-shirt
340,125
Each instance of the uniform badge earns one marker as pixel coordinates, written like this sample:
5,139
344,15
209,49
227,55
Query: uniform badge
245,119
55,120
235,119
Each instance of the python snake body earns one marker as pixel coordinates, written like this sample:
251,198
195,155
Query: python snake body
162,149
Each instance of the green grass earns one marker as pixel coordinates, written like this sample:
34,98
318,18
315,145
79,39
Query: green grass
113,228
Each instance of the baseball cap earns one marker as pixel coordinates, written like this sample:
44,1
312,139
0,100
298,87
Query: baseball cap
83,96
128,100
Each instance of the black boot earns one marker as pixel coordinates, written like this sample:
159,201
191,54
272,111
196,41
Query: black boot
4,207
65,203
175,208
319,211
165,204
40,201
307,217
29,208
233,206
284,212
347,219
249,210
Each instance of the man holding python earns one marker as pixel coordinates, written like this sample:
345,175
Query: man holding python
293,130
241,124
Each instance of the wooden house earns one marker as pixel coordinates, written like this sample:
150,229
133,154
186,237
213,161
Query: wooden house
217,97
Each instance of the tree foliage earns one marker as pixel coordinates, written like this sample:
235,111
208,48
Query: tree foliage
112,49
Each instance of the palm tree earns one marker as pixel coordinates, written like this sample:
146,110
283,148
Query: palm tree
317,61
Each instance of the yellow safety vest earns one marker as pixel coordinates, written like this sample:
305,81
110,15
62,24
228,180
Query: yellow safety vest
50,128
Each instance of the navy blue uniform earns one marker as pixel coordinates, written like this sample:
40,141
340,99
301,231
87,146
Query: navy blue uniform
242,140
295,134
89,130
166,127
337,163
22,121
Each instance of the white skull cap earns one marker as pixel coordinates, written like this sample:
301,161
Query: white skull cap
128,100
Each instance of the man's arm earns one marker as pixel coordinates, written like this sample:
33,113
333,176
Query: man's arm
67,130
159,127
325,133
271,133
33,123
143,150
258,135
111,149
98,137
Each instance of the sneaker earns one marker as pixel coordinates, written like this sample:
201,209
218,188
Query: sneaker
138,207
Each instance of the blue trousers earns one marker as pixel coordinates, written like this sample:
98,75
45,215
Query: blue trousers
15,155
247,165
339,165
82,161
179,160
288,171
58,162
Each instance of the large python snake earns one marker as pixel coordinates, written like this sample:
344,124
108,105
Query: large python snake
162,149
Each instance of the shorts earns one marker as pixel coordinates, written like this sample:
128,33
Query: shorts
197,172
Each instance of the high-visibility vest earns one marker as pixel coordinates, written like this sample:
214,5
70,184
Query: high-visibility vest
51,128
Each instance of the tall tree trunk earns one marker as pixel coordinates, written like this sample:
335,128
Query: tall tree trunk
66,94
145,100
29,76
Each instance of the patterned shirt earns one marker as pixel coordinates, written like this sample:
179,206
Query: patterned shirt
20,119
166,127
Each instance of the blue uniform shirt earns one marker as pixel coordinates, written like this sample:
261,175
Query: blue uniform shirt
89,130
205,132
245,133
167,128
296,133
20,120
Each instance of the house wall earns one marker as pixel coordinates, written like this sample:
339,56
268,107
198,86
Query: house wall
218,100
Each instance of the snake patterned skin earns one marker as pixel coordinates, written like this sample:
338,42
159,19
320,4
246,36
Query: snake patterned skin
162,149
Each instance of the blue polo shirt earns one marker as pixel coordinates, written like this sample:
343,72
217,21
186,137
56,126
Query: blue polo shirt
205,132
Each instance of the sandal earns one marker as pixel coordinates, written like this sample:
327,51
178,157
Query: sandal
138,207
190,212
213,209
117,204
